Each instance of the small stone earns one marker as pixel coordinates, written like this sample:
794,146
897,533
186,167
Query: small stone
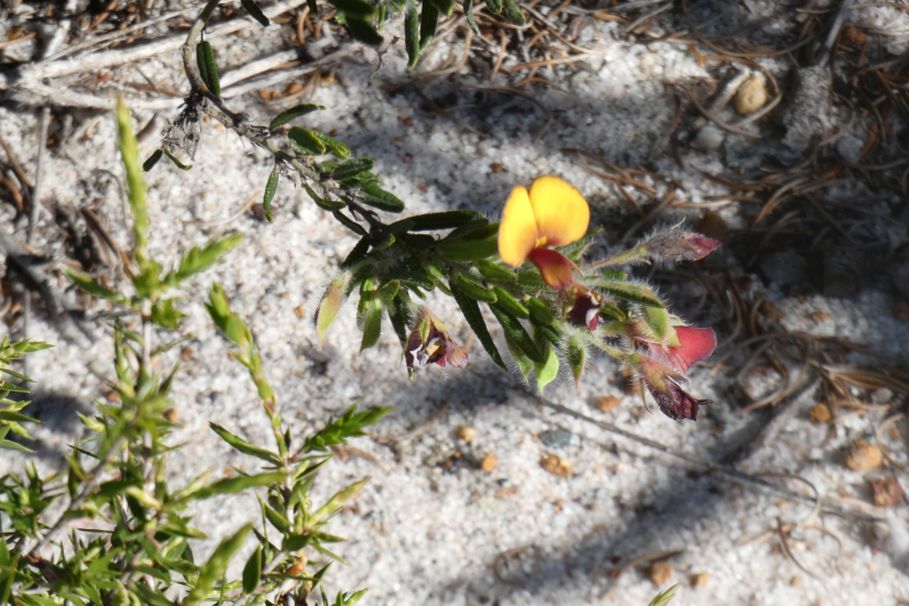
752,95
660,572
556,465
887,492
708,138
556,438
607,403
863,456
700,579
882,395
465,433
496,167
489,462
171,415
820,413
299,311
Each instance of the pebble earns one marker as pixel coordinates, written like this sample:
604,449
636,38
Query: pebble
752,95
887,492
557,466
489,462
820,413
863,456
660,572
607,403
708,138
466,433
700,579
556,438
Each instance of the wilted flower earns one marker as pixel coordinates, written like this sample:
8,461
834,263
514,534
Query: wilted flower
430,343
586,309
662,368
551,213
677,245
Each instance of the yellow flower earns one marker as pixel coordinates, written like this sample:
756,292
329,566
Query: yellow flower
551,213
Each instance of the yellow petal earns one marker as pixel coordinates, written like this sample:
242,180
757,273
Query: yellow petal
561,212
518,229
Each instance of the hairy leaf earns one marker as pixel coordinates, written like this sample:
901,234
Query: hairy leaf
292,114
254,11
271,187
208,69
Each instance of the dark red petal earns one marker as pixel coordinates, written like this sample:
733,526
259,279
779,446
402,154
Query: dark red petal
555,268
675,402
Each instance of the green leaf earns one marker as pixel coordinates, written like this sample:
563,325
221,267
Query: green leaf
213,570
375,196
663,598
176,161
271,186
152,160
398,311
304,141
471,19
513,12
86,283
197,260
208,69
525,365
515,333
292,114
331,303
467,250
412,33
370,320
577,357
351,168
135,184
474,317
348,425
334,147
321,202
548,370
254,11
495,271
237,484
252,572
243,446
337,501
164,313
429,19
363,31
657,320
348,598
472,288
357,253
435,221
509,304
632,291
350,223
540,313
